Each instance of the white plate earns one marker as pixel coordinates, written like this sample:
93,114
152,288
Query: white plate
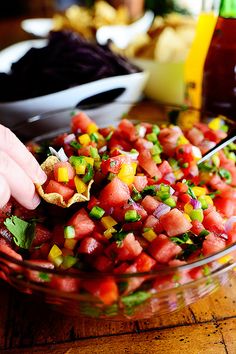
126,88
38,26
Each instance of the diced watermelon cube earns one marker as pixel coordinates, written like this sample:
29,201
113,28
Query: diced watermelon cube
163,250
175,223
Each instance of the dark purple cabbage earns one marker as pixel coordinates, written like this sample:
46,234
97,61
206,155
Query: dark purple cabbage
68,60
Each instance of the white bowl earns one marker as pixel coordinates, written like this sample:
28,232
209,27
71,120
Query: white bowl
124,88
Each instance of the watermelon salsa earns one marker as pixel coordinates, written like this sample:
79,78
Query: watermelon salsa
151,206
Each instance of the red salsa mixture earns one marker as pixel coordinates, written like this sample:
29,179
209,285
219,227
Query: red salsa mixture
150,206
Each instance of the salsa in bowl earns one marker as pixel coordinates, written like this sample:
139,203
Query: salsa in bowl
154,233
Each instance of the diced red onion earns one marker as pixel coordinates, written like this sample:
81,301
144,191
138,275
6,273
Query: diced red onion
69,138
172,191
229,223
131,155
60,154
102,149
161,210
170,177
195,203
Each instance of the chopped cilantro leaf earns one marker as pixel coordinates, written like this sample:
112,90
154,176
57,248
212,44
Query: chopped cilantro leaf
182,239
22,231
44,276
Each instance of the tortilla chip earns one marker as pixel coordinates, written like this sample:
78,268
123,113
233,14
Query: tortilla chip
56,198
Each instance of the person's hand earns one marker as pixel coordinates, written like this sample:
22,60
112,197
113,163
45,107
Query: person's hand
19,170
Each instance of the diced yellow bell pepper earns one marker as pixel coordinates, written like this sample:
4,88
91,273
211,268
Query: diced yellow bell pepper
188,208
182,140
80,185
80,169
84,139
187,217
62,174
70,243
108,222
199,191
54,253
108,233
89,160
215,124
58,261
92,128
208,199
127,172
150,235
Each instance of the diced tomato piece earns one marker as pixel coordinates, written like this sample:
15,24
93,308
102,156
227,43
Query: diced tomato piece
132,226
100,237
103,264
117,142
42,252
80,122
165,168
214,222
197,227
105,289
66,284
150,204
67,165
90,245
114,194
127,129
144,263
163,250
212,244
168,138
184,153
130,248
181,187
92,202
113,164
151,222
121,269
195,136
148,164
185,198
58,235
175,223
225,206
42,234
82,224
140,182
56,187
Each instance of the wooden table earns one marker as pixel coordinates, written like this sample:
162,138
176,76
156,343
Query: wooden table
208,326
27,326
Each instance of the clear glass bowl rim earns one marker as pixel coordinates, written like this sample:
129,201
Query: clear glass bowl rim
165,270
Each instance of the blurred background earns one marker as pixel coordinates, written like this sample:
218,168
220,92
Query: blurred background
46,8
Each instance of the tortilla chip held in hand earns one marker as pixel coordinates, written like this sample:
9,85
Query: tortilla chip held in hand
58,191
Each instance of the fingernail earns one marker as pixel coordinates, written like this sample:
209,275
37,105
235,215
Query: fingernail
41,177
35,201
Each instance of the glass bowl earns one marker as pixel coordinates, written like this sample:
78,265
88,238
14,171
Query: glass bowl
157,292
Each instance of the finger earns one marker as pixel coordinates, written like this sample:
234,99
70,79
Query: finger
13,147
5,191
21,186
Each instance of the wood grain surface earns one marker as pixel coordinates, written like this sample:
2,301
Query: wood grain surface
28,326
